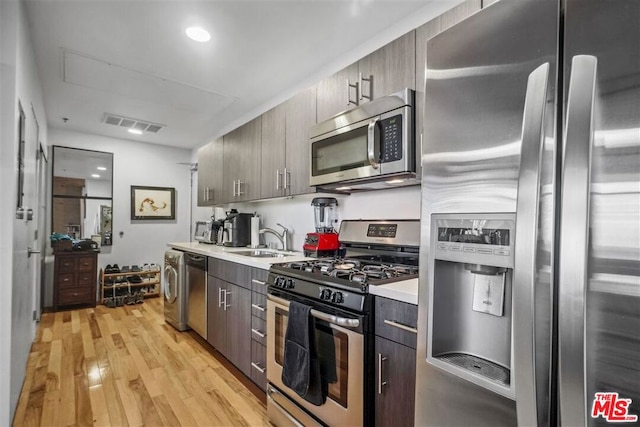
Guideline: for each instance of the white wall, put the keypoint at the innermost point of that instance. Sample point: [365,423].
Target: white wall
[136,163]
[19,83]
[296,213]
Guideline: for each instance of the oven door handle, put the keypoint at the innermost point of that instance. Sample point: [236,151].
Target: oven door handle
[330,318]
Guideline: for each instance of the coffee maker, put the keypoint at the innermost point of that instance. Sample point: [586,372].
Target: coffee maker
[237,229]
[324,242]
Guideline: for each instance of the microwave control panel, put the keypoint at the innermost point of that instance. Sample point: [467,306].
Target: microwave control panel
[391,139]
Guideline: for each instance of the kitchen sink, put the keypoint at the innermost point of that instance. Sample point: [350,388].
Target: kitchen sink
[257,253]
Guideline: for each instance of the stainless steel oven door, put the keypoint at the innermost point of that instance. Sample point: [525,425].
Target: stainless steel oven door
[342,344]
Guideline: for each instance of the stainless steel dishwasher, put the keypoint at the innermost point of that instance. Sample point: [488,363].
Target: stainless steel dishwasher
[196,266]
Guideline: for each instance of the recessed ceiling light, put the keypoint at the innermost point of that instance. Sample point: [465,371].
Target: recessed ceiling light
[135,131]
[95,175]
[102,168]
[198,34]
[343,188]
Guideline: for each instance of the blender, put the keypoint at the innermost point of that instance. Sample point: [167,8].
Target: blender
[324,242]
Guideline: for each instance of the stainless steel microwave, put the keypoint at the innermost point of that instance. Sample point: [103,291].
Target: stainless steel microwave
[369,147]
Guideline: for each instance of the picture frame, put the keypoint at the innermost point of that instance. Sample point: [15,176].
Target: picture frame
[153,203]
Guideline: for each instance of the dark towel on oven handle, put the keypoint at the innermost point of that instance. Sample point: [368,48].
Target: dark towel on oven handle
[300,367]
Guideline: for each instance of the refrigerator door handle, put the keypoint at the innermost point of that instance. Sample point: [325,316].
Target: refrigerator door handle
[524,375]
[574,240]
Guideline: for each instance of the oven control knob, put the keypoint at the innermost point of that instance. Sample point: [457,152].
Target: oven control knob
[279,282]
[337,297]
[289,284]
[325,294]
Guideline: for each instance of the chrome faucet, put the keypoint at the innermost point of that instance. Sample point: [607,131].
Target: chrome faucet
[284,237]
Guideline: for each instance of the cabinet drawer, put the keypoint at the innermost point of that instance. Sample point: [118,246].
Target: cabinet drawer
[66,280]
[85,263]
[67,265]
[258,280]
[76,296]
[259,364]
[259,330]
[259,305]
[86,279]
[396,321]
[231,272]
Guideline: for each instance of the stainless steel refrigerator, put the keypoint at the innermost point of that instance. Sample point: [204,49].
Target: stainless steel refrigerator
[529,300]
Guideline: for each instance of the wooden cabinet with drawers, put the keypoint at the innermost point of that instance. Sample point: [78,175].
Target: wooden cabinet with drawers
[75,279]
[395,350]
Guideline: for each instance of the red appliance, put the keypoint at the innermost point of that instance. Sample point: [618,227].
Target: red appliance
[324,242]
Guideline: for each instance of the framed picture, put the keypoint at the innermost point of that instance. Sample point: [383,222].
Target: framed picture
[153,202]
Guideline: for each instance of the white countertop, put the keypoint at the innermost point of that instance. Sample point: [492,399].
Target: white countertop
[405,291]
[227,253]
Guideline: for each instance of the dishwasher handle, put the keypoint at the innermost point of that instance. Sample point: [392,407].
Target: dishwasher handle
[196,261]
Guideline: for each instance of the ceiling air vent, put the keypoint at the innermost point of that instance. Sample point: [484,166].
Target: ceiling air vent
[129,123]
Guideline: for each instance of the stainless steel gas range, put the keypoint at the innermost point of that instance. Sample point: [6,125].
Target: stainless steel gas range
[337,292]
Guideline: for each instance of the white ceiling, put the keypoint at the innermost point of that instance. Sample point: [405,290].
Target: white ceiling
[131,57]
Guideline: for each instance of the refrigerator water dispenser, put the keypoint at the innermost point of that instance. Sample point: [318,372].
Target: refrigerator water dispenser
[470,318]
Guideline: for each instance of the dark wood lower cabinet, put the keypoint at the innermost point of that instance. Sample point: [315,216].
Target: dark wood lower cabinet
[216,315]
[229,321]
[395,383]
[238,302]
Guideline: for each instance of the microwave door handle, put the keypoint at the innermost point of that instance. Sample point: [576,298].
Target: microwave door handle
[373,143]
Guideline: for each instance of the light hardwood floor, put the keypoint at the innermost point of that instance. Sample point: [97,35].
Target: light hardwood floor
[126,367]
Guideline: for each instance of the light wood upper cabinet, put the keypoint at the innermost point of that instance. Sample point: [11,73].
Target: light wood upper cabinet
[301,115]
[336,93]
[210,173]
[242,162]
[269,156]
[388,69]
[273,152]
[383,72]
[285,146]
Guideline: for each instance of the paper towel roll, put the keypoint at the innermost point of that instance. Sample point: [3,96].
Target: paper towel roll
[255,231]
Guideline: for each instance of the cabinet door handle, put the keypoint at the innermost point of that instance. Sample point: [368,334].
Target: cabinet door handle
[258,333]
[226,294]
[258,282]
[370,81]
[400,326]
[258,307]
[278,175]
[240,188]
[258,368]
[381,383]
[349,86]
[219,297]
